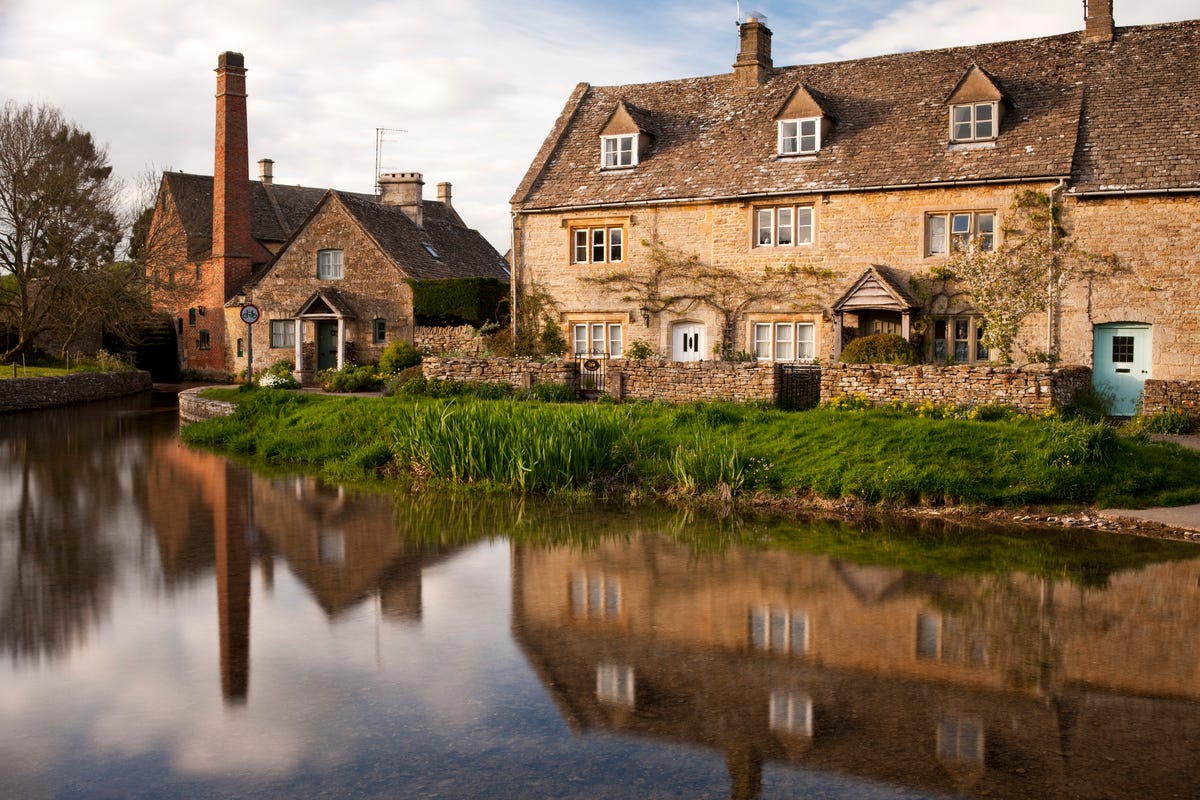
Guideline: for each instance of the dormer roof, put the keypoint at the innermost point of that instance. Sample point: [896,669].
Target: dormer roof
[804,102]
[626,118]
[976,85]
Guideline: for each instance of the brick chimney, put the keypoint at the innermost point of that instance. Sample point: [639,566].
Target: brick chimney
[232,244]
[403,189]
[266,171]
[1098,20]
[753,65]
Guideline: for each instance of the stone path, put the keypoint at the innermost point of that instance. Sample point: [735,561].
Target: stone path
[1185,518]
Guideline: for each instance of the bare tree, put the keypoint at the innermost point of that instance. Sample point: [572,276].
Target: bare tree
[59,220]
[678,281]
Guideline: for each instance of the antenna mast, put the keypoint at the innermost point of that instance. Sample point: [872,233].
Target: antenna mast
[380,136]
[739,10]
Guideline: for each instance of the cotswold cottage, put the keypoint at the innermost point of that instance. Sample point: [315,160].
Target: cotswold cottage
[327,270]
[843,187]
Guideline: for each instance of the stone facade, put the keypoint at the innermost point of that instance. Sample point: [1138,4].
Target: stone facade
[1172,396]
[30,394]
[1030,389]
[460,339]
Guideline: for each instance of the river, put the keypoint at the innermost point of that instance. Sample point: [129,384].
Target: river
[173,624]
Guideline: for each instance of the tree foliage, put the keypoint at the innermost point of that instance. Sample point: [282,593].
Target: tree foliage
[1025,274]
[59,227]
[679,282]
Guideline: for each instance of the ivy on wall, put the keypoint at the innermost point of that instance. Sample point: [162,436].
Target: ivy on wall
[459,301]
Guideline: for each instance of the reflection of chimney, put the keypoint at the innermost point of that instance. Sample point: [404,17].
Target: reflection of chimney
[232,244]
[266,171]
[403,189]
[753,65]
[1098,20]
[232,563]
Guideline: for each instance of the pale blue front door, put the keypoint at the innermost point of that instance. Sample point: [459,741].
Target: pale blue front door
[1121,359]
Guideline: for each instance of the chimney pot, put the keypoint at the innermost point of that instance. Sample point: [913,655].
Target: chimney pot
[403,189]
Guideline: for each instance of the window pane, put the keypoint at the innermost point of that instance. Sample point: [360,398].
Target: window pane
[380,330]
[598,245]
[808,136]
[766,223]
[985,225]
[799,634]
[616,239]
[927,636]
[779,628]
[804,225]
[981,352]
[610,153]
[984,121]
[762,341]
[597,338]
[789,141]
[936,226]
[580,338]
[1122,349]
[783,341]
[805,336]
[580,255]
[960,231]
[758,628]
[783,223]
[960,127]
[614,340]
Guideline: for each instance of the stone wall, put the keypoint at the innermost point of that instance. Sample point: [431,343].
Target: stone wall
[1030,388]
[518,373]
[463,339]
[29,394]
[194,408]
[687,381]
[1163,396]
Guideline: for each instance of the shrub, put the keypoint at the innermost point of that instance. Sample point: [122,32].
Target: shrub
[283,368]
[882,348]
[1171,421]
[551,339]
[395,384]
[398,356]
[350,378]
[550,393]
[640,350]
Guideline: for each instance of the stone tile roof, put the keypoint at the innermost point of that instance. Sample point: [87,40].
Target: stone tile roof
[1091,112]
[442,248]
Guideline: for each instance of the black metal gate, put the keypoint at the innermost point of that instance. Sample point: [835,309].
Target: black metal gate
[591,370]
[799,386]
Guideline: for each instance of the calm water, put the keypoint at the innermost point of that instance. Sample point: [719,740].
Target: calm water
[172,625]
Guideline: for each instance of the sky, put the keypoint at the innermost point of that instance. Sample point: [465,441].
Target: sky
[465,90]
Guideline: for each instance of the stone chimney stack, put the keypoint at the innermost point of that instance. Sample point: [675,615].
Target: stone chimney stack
[1098,20]
[444,194]
[403,189]
[232,244]
[266,171]
[753,65]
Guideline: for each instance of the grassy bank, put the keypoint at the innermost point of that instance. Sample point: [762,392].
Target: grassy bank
[878,456]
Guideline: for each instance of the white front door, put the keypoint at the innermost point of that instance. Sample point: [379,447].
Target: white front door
[688,339]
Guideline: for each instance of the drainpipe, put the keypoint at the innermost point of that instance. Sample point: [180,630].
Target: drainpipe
[1050,283]
[513,254]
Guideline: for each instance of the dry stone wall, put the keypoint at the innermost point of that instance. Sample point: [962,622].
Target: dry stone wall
[194,408]
[29,394]
[688,381]
[518,373]
[1032,389]
[462,339]
[1163,396]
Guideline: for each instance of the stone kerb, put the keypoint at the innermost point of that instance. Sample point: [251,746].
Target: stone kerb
[1160,396]
[29,394]
[1033,388]
[194,408]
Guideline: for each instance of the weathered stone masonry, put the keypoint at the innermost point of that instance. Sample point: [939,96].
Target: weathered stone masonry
[1163,396]
[30,394]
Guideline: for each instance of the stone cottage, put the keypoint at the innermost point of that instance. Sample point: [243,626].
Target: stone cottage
[815,203]
[316,262]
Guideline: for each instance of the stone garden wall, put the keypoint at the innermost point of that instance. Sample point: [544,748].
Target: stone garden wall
[688,381]
[1032,388]
[1163,396]
[28,394]
[518,373]
[459,339]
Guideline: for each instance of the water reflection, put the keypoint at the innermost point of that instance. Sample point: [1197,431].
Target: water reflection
[175,624]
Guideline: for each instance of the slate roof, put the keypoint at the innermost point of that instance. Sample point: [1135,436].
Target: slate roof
[1123,115]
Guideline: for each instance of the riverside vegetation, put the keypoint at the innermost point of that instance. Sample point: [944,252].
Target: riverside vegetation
[900,456]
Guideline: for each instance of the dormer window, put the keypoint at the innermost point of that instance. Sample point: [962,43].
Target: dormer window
[973,122]
[799,137]
[618,151]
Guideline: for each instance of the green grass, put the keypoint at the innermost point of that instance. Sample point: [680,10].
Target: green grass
[878,456]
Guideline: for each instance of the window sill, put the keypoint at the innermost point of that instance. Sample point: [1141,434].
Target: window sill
[626,168]
[797,156]
[986,144]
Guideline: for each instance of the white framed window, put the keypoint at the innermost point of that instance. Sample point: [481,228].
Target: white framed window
[602,245]
[784,341]
[615,685]
[783,226]
[799,136]
[618,151]
[778,630]
[960,740]
[329,265]
[283,333]
[953,231]
[973,122]
[595,596]
[597,339]
[791,713]
[959,339]
[948,640]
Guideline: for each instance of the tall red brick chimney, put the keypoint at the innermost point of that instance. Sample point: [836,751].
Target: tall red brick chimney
[232,245]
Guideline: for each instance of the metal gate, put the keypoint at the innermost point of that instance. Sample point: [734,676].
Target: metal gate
[799,386]
[591,370]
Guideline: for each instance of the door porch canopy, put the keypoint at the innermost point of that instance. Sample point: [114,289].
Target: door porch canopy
[878,291]
[324,305]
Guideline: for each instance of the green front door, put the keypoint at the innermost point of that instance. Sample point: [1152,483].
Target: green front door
[327,345]
[1121,364]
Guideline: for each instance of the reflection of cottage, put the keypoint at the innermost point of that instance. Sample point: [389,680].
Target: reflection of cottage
[940,685]
[876,170]
[327,269]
